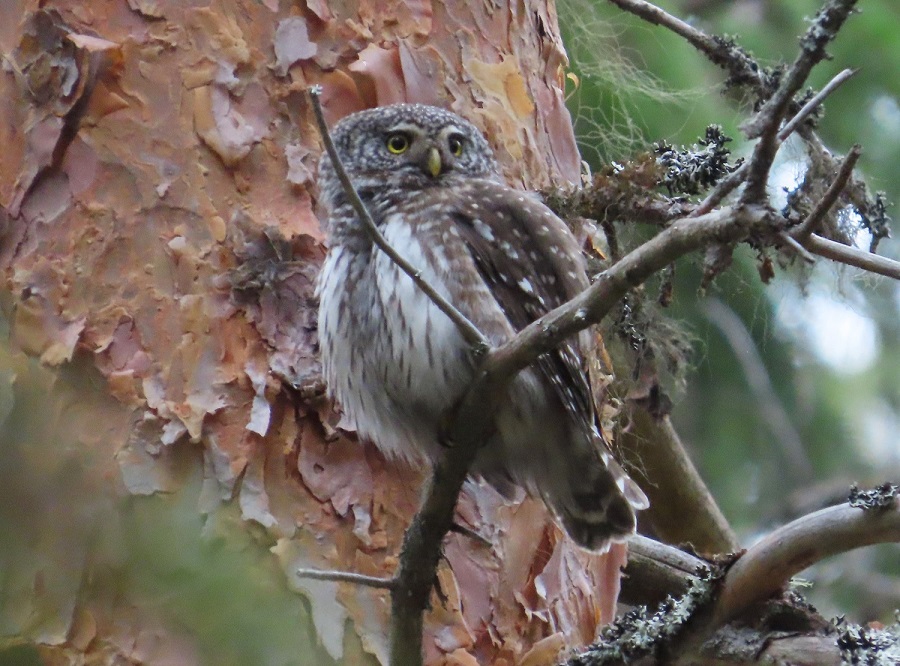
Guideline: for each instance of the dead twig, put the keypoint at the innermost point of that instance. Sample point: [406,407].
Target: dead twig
[795,247]
[844,254]
[815,103]
[767,120]
[347,577]
[720,51]
[825,204]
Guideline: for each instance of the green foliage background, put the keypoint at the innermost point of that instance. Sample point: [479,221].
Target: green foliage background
[640,84]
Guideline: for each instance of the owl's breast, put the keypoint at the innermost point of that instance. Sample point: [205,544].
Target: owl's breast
[394,361]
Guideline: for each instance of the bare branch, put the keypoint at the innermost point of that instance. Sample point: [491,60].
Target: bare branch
[815,103]
[467,329]
[852,256]
[724,225]
[765,123]
[655,571]
[456,528]
[768,566]
[720,52]
[795,247]
[825,204]
[347,577]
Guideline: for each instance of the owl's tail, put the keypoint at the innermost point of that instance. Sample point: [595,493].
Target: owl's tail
[599,505]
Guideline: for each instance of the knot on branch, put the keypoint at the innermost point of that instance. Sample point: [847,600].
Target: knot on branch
[690,171]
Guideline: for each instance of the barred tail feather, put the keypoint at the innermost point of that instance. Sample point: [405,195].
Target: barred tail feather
[601,510]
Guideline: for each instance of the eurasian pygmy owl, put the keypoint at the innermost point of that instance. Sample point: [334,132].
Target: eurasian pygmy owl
[396,364]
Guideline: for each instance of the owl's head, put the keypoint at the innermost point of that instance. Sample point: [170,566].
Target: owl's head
[408,146]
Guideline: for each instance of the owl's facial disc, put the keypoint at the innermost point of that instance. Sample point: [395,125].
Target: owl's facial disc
[433,154]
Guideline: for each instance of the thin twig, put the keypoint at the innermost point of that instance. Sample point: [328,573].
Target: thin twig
[720,52]
[467,329]
[852,256]
[347,577]
[725,187]
[814,219]
[456,528]
[769,565]
[815,103]
[795,247]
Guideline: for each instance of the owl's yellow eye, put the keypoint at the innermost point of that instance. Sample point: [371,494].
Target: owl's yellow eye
[455,144]
[397,143]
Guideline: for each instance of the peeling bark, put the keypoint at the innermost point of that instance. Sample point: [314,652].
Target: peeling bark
[159,248]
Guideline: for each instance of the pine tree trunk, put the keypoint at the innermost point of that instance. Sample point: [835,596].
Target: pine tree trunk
[167,458]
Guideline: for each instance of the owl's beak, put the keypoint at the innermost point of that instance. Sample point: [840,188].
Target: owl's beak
[434,163]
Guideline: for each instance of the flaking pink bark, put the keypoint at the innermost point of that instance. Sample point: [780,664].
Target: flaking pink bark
[158,232]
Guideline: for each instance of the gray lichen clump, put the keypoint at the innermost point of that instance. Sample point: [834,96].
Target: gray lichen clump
[882,497]
[642,632]
[693,171]
[868,646]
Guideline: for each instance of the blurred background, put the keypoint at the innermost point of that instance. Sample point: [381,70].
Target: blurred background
[792,392]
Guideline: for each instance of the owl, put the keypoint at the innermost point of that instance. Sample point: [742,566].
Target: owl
[396,364]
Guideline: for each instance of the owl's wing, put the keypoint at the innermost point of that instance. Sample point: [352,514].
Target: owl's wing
[531,264]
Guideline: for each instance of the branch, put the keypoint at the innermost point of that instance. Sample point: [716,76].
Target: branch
[725,187]
[725,225]
[823,28]
[768,566]
[852,256]
[655,571]
[764,125]
[347,577]
[814,219]
[791,243]
[467,329]
[721,52]
[815,103]
[745,71]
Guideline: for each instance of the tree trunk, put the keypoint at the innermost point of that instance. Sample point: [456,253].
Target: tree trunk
[167,458]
